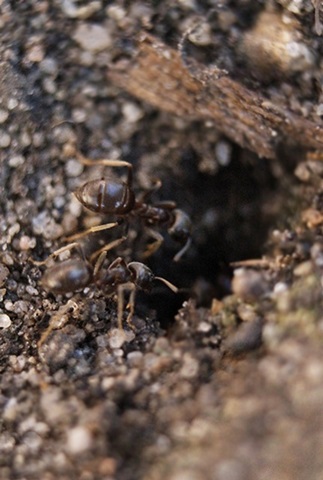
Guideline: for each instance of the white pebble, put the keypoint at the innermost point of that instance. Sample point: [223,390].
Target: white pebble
[3,115]
[223,152]
[117,338]
[26,243]
[93,38]
[79,440]
[132,112]
[16,161]
[73,168]
[72,11]
[5,139]
[5,321]
[12,103]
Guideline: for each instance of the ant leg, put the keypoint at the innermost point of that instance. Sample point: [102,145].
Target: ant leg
[58,320]
[120,306]
[131,303]
[106,162]
[97,228]
[58,252]
[101,253]
[154,246]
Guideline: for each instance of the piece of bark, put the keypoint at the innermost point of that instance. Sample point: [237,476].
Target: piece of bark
[157,74]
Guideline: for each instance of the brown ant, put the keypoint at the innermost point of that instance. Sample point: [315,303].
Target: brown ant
[77,273]
[107,196]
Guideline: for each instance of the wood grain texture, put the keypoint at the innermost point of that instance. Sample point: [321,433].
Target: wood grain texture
[157,74]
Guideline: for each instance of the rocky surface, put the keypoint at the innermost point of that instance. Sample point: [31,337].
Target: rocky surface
[222,381]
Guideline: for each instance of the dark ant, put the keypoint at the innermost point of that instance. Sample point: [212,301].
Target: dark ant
[77,273]
[107,196]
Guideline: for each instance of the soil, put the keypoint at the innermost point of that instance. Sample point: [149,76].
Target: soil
[224,379]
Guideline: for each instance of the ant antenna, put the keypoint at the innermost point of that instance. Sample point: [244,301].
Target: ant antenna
[106,162]
[183,250]
[168,284]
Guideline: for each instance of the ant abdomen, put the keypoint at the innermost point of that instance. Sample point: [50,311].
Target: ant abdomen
[106,196]
[68,276]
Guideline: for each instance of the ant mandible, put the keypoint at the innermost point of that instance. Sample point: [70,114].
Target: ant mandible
[107,196]
[120,276]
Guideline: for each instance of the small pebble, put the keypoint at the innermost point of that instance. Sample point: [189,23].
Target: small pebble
[201,35]
[249,284]
[73,168]
[223,152]
[5,321]
[79,439]
[35,53]
[190,367]
[72,11]
[135,359]
[4,114]
[5,139]
[117,338]
[4,272]
[12,103]
[93,38]
[303,269]
[115,12]
[16,161]
[27,243]
[132,112]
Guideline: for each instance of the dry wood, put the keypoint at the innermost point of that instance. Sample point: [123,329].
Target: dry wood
[157,74]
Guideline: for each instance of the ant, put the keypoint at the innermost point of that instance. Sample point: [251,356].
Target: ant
[107,196]
[120,276]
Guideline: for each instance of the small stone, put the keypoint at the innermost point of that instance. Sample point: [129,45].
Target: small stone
[246,313]
[11,409]
[132,112]
[201,35]
[16,161]
[26,243]
[248,284]
[4,272]
[72,11]
[93,38]
[135,359]
[36,53]
[223,152]
[115,12]
[5,321]
[190,367]
[49,66]
[73,168]
[31,290]
[272,47]
[5,139]
[79,115]
[9,306]
[17,362]
[280,287]
[12,103]
[79,439]
[44,225]
[303,269]
[4,114]
[117,338]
